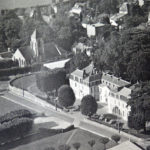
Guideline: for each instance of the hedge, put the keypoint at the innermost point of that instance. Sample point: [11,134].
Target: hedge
[16,127]
[18,70]
[15,114]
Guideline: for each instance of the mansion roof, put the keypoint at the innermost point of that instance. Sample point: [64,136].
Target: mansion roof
[115,80]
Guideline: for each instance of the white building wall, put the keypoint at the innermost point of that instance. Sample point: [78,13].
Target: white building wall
[122,106]
[79,89]
[103,94]
[17,56]
[91,30]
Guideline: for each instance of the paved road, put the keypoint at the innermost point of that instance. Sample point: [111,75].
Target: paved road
[79,121]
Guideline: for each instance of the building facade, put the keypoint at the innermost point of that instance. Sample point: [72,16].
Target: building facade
[85,81]
[106,88]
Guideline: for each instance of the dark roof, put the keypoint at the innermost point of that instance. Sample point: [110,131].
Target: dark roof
[6,55]
[51,50]
[27,53]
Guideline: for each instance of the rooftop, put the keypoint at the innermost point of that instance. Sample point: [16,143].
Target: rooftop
[27,53]
[56,64]
[126,146]
[115,80]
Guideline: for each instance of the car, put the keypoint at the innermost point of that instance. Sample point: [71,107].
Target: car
[95,116]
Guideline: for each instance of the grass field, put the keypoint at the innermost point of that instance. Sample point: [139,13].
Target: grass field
[24,82]
[55,140]
[7,106]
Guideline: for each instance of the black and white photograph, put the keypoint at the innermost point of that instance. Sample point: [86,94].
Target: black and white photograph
[74,74]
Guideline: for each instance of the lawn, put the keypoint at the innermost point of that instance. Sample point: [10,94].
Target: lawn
[24,82]
[7,106]
[55,140]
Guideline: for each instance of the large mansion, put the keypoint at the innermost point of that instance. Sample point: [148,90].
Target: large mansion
[106,88]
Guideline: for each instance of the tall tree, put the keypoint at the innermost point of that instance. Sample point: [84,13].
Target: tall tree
[66,96]
[88,105]
[140,105]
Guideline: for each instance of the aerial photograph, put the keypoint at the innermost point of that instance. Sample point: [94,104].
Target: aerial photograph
[74,74]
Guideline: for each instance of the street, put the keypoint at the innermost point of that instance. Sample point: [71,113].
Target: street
[78,120]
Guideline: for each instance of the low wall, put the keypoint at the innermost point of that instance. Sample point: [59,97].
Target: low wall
[30,97]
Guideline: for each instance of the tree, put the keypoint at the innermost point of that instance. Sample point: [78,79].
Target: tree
[116,138]
[51,81]
[140,105]
[64,147]
[66,96]
[91,143]
[88,105]
[104,141]
[76,145]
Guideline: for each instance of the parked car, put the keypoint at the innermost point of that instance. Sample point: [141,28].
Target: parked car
[95,116]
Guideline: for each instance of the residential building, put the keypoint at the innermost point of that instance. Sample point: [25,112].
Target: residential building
[85,81]
[92,28]
[24,56]
[78,8]
[106,88]
[127,145]
[115,92]
[123,11]
[81,47]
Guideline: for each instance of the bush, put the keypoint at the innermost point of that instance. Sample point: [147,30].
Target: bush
[18,70]
[88,105]
[66,96]
[15,114]
[116,138]
[16,127]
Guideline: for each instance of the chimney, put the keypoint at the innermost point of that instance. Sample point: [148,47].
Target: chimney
[84,74]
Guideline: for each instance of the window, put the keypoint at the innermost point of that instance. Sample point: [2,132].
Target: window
[76,79]
[117,96]
[75,84]
[81,81]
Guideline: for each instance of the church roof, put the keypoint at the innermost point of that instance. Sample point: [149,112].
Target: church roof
[27,53]
[51,51]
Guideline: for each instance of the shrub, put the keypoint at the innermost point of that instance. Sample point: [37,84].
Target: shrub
[116,138]
[15,114]
[16,127]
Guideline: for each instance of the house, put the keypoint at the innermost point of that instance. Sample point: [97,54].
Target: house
[106,88]
[123,11]
[115,92]
[85,81]
[78,8]
[24,56]
[127,145]
[81,47]
[92,26]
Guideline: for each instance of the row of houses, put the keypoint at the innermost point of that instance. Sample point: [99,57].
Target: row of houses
[106,88]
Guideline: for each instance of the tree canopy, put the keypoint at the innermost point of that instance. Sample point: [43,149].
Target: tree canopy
[140,106]
[66,96]
[88,105]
